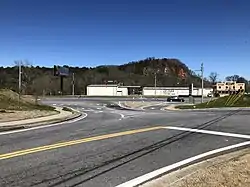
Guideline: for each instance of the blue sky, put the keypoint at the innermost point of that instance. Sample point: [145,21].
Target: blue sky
[98,32]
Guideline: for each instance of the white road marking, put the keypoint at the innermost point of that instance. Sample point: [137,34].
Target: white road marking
[210,132]
[134,115]
[96,112]
[98,104]
[149,176]
[54,104]
[83,108]
[122,115]
[98,108]
[152,108]
[44,126]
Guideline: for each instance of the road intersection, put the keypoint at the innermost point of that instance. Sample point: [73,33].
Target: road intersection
[112,145]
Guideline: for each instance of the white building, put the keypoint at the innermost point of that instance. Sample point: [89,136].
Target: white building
[116,90]
[107,90]
[174,91]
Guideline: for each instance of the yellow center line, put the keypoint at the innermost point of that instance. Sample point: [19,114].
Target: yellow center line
[74,142]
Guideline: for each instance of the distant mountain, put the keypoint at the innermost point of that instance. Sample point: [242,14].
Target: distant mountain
[40,80]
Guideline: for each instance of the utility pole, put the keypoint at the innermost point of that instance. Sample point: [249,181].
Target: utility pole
[20,82]
[155,78]
[73,84]
[155,83]
[202,81]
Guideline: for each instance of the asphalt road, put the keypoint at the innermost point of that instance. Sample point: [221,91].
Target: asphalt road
[111,145]
[115,99]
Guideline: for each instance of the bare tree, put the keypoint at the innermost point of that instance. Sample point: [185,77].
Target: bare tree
[26,73]
[233,78]
[213,77]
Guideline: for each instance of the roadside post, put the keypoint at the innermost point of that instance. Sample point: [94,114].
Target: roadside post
[191,88]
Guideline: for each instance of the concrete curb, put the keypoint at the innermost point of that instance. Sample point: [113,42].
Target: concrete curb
[157,104]
[139,108]
[75,114]
[129,108]
[213,109]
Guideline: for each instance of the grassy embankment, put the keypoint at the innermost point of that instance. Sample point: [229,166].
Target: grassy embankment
[9,101]
[239,100]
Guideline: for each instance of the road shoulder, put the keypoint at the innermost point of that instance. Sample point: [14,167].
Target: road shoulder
[226,170]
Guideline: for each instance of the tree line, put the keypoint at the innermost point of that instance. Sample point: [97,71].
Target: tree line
[41,80]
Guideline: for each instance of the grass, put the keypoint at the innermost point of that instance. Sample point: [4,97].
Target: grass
[9,100]
[227,101]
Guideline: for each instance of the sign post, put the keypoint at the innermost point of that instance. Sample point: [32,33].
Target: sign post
[61,71]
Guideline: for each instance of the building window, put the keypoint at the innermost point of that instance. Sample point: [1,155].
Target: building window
[226,87]
[219,87]
[234,87]
[241,87]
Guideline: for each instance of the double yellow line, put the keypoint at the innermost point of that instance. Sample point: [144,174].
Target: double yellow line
[73,142]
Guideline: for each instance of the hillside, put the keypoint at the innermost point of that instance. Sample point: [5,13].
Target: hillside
[40,80]
[9,100]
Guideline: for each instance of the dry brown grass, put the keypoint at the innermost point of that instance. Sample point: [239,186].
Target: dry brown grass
[231,171]
[9,100]
[20,115]
[12,110]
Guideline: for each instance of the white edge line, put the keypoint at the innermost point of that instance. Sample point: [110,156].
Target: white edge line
[149,176]
[209,132]
[44,126]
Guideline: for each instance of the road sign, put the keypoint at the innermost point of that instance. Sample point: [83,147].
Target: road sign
[61,71]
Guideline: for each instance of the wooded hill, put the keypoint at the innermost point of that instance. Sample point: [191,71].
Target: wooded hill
[40,80]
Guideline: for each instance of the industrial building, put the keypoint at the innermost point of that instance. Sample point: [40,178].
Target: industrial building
[117,90]
[175,91]
[107,90]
